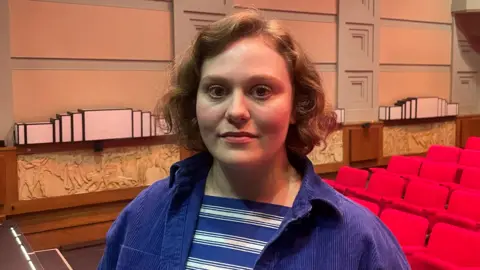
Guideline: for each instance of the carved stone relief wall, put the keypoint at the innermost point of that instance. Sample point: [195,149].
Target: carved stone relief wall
[333,153]
[67,173]
[414,139]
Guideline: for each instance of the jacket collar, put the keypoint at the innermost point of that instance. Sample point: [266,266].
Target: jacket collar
[313,193]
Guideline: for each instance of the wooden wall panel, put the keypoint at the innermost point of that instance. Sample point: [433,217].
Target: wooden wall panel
[68,236]
[364,144]
[48,92]
[312,36]
[425,10]
[52,229]
[467,127]
[310,6]
[58,30]
[3,181]
[72,201]
[9,178]
[400,84]
[408,45]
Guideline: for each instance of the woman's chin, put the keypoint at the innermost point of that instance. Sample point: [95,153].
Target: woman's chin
[238,158]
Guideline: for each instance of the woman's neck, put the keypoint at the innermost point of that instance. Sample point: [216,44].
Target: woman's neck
[275,182]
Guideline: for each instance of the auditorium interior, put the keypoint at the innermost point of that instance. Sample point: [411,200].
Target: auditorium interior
[403,77]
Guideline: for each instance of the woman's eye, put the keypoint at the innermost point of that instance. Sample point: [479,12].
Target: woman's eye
[261,92]
[216,91]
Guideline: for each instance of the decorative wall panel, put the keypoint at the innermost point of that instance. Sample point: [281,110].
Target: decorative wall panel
[333,153]
[189,16]
[416,139]
[358,59]
[465,74]
[361,88]
[67,173]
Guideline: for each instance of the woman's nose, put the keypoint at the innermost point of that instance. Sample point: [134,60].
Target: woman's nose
[237,111]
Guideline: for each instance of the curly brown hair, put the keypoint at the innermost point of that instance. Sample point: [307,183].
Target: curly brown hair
[314,121]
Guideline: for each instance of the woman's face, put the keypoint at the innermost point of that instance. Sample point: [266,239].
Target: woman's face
[244,103]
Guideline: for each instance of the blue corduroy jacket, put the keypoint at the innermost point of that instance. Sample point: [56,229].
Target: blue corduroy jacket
[322,230]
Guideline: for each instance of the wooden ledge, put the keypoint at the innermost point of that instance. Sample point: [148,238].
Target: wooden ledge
[94,145]
[419,121]
[62,202]
[327,168]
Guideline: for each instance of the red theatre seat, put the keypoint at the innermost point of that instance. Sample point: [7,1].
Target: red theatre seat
[473,143]
[423,198]
[463,210]
[382,188]
[442,153]
[401,165]
[409,229]
[444,173]
[449,247]
[349,177]
[470,178]
[469,158]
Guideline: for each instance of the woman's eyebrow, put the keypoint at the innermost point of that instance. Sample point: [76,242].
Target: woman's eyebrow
[257,77]
[213,79]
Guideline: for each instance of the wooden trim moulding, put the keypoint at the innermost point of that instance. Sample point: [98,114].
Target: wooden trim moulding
[72,146]
[328,168]
[62,202]
[420,121]
[9,177]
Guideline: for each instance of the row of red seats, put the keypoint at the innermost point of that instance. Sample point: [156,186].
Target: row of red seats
[447,174]
[426,198]
[455,155]
[439,246]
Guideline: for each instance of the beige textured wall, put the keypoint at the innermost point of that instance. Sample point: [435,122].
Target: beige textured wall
[47,92]
[415,49]
[69,56]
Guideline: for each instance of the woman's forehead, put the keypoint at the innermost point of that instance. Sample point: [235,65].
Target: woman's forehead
[245,58]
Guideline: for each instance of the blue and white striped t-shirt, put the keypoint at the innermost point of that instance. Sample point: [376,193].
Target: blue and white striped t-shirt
[231,233]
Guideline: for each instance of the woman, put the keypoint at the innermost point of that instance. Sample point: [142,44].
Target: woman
[247,98]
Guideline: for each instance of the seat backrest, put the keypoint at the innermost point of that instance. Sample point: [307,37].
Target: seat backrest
[470,158]
[386,184]
[425,194]
[352,177]
[441,153]
[465,203]
[404,165]
[455,245]
[473,143]
[440,172]
[375,208]
[471,178]
[409,229]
